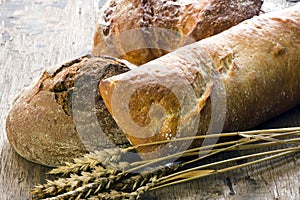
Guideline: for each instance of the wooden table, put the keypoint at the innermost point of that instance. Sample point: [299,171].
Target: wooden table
[36,35]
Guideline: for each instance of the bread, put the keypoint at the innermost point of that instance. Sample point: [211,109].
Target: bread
[43,126]
[140,31]
[231,81]
[61,116]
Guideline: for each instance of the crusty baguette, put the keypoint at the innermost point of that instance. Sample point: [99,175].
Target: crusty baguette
[41,125]
[156,27]
[256,63]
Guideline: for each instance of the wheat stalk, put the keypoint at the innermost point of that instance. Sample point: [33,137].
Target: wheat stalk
[248,137]
[106,159]
[94,176]
[85,184]
[291,130]
[185,174]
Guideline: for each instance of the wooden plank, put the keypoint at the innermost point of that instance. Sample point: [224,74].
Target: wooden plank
[36,35]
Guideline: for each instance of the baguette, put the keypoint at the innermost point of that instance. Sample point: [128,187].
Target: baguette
[252,69]
[156,27]
[50,123]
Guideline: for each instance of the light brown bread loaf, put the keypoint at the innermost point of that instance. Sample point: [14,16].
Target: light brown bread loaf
[255,67]
[139,30]
[60,117]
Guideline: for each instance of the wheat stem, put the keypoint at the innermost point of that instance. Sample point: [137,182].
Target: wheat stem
[212,172]
[165,179]
[199,150]
[246,147]
[293,130]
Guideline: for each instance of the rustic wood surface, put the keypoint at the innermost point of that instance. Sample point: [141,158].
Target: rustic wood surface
[36,35]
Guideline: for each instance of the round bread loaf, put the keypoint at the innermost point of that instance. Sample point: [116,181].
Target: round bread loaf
[140,31]
[60,116]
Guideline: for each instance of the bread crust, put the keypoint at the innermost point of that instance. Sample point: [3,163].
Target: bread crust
[41,125]
[257,62]
[158,26]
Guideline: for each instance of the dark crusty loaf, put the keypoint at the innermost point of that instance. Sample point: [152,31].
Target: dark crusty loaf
[41,125]
[254,67]
[139,30]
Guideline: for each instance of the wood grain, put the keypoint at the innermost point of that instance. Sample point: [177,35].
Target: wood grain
[39,34]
